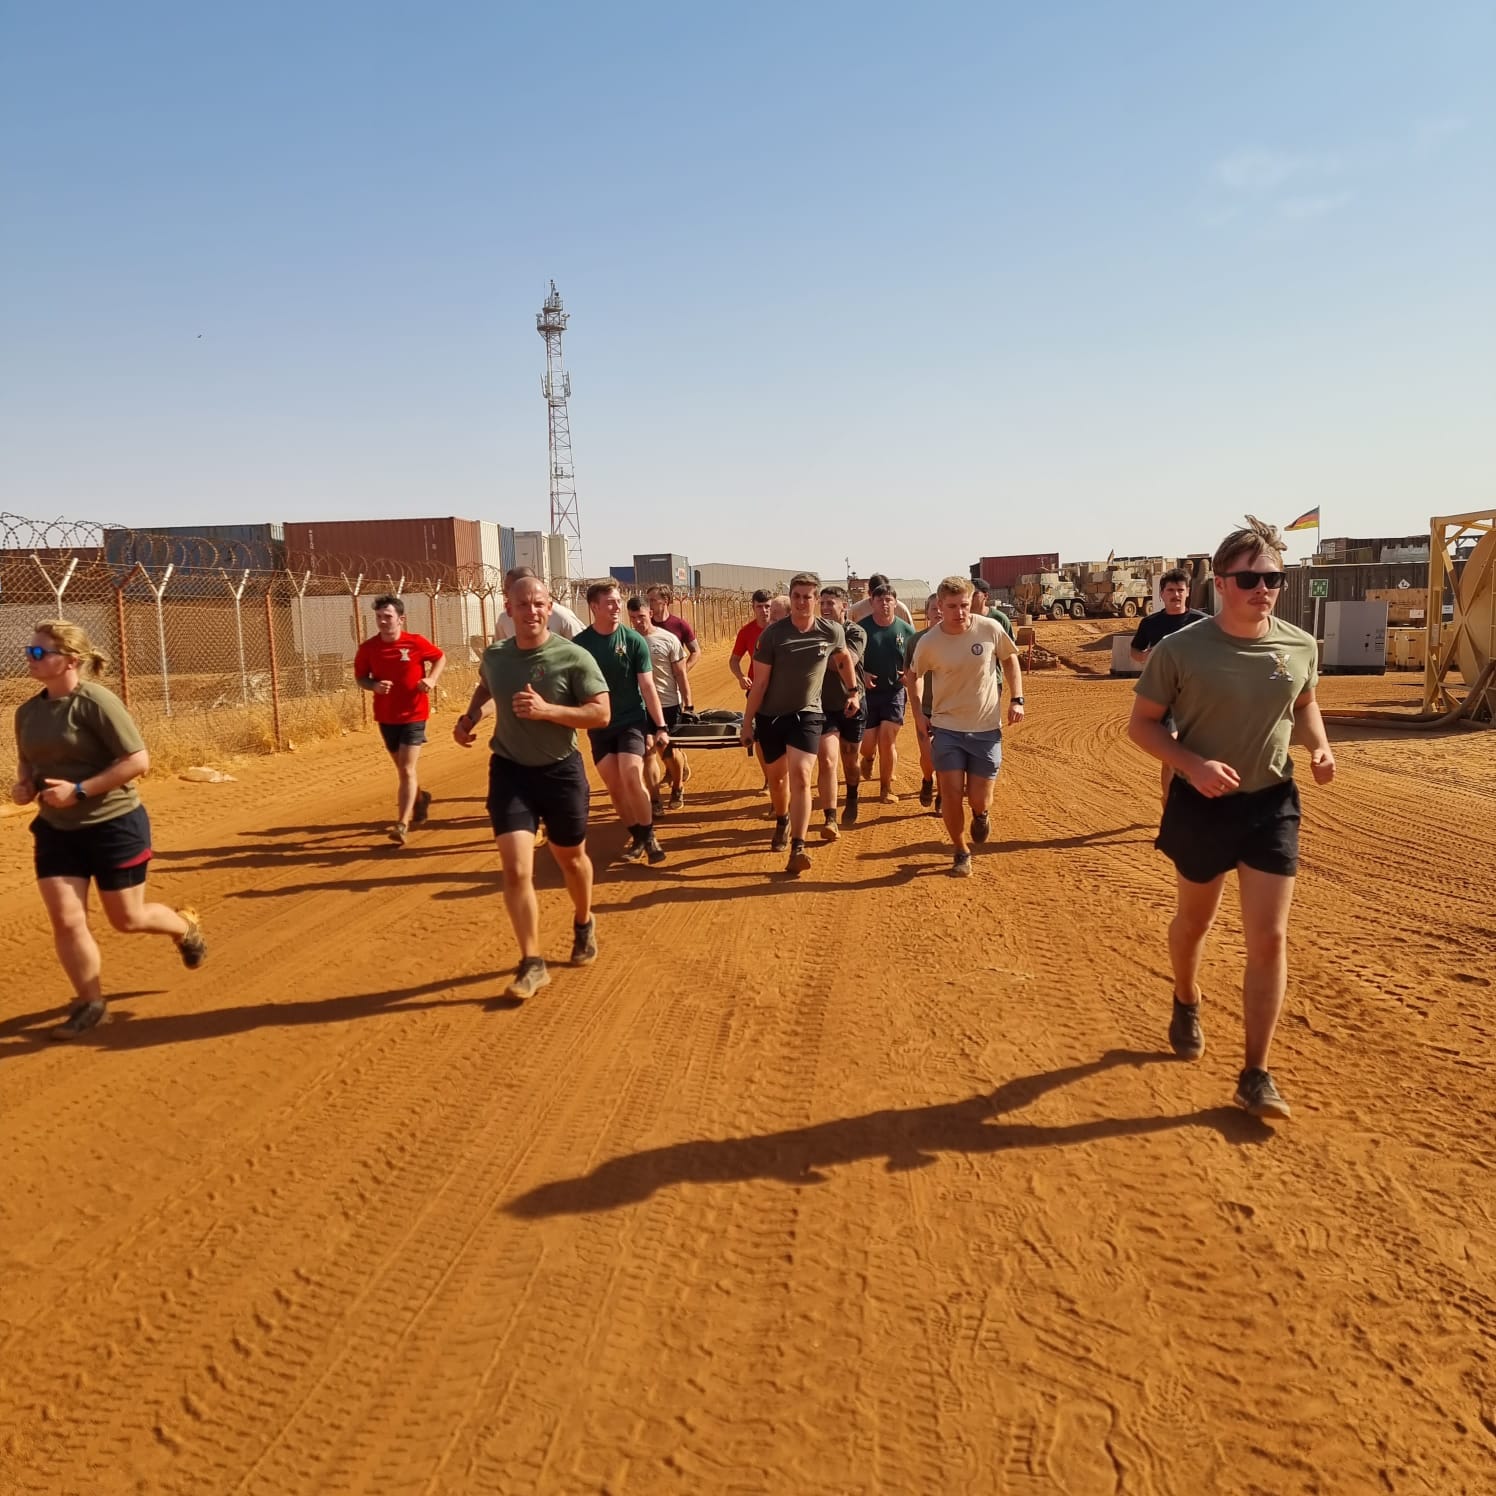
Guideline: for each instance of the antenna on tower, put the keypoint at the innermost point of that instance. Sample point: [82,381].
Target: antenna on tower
[550,322]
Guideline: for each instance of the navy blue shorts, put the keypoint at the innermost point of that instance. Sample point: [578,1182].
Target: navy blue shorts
[886,706]
[609,740]
[398,735]
[113,853]
[848,729]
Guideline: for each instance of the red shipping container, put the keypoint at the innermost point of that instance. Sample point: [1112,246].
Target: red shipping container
[1004,571]
[447,542]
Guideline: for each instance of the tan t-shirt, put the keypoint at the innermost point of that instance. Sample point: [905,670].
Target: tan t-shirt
[1232,699]
[72,738]
[966,693]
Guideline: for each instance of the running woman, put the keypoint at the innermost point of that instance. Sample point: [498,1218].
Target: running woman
[543,689]
[79,754]
[845,718]
[784,708]
[1174,589]
[1240,687]
[636,715]
[668,660]
[888,635]
[747,640]
[967,714]
[660,600]
[402,670]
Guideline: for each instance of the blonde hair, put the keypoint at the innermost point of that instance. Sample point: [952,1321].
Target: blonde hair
[955,587]
[72,639]
[1256,536]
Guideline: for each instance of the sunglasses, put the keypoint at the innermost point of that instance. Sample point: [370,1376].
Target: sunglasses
[1250,581]
[36,652]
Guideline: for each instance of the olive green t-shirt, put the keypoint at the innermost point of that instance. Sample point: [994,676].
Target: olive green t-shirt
[1232,699]
[561,674]
[798,662]
[72,738]
[833,689]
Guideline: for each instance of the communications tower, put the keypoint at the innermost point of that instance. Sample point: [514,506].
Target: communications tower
[550,322]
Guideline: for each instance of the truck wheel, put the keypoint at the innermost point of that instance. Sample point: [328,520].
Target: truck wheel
[1077,609]
[1129,608]
[1057,611]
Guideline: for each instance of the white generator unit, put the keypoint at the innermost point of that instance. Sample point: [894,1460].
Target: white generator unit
[1355,639]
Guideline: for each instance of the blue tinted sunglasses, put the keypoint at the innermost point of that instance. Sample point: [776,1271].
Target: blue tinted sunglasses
[36,652]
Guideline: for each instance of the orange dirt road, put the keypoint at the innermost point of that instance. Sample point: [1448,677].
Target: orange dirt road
[872,1182]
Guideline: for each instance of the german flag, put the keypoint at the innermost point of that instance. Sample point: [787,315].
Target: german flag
[1306,521]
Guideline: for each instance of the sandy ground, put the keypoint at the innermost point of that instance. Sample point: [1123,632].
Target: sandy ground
[871,1182]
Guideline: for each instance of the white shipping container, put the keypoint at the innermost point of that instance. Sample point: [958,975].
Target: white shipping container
[559,562]
[488,545]
[529,550]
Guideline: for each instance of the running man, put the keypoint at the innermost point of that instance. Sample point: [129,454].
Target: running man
[668,660]
[927,795]
[982,604]
[779,607]
[543,688]
[748,636]
[888,635]
[862,609]
[967,714]
[660,600]
[564,624]
[1240,687]
[845,719]
[636,715]
[78,755]
[402,670]
[783,713]
[1174,588]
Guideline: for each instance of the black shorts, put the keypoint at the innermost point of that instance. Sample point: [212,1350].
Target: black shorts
[848,729]
[521,796]
[672,716]
[800,730]
[398,735]
[113,853]
[1204,838]
[886,706]
[609,740]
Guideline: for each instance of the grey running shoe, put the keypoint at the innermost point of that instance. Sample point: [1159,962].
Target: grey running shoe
[193,946]
[529,979]
[85,1016]
[655,851]
[677,799]
[831,831]
[981,827]
[398,832]
[781,834]
[584,943]
[1186,1038]
[799,859]
[961,866]
[1257,1095]
[926,792]
[636,851]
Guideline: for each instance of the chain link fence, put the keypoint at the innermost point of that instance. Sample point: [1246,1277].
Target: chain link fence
[216,652]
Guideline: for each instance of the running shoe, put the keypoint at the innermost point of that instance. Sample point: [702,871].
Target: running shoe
[655,850]
[981,827]
[584,943]
[937,805]
[423,808]
[799,859]
[961,865]
[830,830]
[398,832]
[1257,1095]
[193,946]
[849,815]
[530,978]
[926,792]
[781,834]
[677,799]
[85,1016]
[636,851]
[1186,1037]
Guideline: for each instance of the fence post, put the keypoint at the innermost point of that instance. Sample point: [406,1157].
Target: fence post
[363,696]
[161,636]
[124,646]
[275,693]
[237,593]
[431,599]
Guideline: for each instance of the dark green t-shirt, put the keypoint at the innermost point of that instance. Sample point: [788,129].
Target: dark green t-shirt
[833,691]
[1002,620]
[560,673]
[623,657]
[1232,699]
[884,657]
[797,662]
[72,738]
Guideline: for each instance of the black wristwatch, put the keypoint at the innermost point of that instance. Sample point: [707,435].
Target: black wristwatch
[1015,701]
[79,793]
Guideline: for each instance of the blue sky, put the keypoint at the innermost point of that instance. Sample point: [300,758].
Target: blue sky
[905,284]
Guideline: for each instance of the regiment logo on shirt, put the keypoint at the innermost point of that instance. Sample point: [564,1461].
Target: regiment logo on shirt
[404,653]
[1280,663]
[976,649]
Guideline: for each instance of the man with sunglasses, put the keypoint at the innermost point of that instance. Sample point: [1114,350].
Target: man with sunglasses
[1176,614]
[1240,688]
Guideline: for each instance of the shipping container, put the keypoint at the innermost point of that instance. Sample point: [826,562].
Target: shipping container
[558,562]
[205,560]
[402,543]
[663,568]
[729,577]
[624,574]
[490,545]
[506,547]
[529,550]
[1004,571]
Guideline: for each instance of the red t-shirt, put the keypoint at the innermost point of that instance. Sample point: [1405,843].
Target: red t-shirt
[403,664]
[747,642]
[681,629]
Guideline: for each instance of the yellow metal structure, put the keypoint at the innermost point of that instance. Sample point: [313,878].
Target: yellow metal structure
[1467,643]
